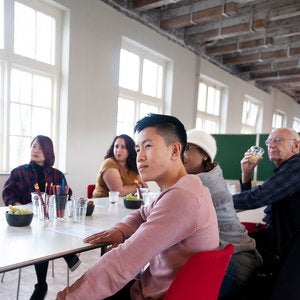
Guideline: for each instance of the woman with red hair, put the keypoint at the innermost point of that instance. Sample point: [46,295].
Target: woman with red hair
[17,191]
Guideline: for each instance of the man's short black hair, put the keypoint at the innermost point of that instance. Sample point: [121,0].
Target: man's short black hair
[169,127]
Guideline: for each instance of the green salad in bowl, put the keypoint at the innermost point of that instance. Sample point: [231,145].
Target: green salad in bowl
[132,201]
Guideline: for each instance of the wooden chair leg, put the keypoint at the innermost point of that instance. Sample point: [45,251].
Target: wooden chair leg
[2,277]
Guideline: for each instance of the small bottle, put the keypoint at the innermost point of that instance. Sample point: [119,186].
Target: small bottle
[35,203]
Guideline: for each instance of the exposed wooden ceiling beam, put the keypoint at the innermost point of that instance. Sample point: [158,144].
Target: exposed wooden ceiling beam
[259,41]
[289,11]
[200,16]
[276,75]
[260,57]
[229,31]
[143,5]
[283,82]
[274,66]
[238,47]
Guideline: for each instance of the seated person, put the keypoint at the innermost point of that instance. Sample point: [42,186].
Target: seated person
[281,194]
[17,190]
[199,159]
[119,171]
[165,234]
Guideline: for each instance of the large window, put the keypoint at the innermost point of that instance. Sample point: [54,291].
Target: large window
[208,106]
[29,76]
[252,110]
[141,85]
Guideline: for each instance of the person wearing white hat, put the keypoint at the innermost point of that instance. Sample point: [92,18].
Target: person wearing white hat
[199,158]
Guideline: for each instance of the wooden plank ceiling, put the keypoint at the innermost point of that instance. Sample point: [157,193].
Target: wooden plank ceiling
[258,41]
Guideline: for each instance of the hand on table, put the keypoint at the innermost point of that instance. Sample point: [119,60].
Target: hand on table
[112,236]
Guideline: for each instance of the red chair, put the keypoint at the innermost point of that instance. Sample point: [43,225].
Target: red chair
[201,277]
[254,227]
[89,190]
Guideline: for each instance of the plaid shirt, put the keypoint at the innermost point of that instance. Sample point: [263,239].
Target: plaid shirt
[20,183]
[284,184]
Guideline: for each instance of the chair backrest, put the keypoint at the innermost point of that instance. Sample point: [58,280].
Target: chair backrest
[201,276]
[254,227]
[89,190]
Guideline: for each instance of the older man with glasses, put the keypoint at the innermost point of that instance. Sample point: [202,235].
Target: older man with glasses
[281,194]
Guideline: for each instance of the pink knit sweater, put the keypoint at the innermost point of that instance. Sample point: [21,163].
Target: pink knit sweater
[181,222]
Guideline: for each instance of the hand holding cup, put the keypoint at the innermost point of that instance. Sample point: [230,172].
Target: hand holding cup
[256,154]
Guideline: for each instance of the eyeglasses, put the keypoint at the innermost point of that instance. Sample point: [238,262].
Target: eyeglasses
[188,148]
[277,141]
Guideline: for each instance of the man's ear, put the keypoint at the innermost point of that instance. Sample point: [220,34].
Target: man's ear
[298,145]
[176,149]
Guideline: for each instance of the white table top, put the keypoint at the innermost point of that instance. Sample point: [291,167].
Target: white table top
[43,240]
[252,215]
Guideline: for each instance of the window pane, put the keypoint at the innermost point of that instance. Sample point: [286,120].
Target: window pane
[129,70]
[21,83]
[202,97]
[147,108]
[41,121]
[126,119]
[246,105]
[210,126]
[213,102]
[24,36]
[250,113]
[19,151]
[252,116]
[1,25]
[199,123]
[42,91]
[45,38]
[34,34]
[296,124]
[152,79]
[277,120]
[36,92]
[20,119]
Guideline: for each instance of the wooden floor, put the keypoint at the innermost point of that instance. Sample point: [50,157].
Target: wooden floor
[8,288]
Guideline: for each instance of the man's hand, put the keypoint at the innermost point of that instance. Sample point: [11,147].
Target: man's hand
[112,236]
[248,166]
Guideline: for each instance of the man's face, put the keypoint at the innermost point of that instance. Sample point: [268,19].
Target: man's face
[153,155]
[282,145]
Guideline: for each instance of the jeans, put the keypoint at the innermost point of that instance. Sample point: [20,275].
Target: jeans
[240,269]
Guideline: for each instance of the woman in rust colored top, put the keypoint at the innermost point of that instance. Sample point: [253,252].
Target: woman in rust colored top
[119,172]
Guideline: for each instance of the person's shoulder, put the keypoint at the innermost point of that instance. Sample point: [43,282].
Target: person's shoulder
[109,163]
[20,168]
[188,182]
[292,162]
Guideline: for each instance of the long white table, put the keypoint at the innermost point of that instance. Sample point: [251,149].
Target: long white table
[45,240]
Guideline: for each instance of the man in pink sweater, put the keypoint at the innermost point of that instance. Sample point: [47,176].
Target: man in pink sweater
[165,234]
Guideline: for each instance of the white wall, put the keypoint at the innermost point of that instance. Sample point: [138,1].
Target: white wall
[96,32]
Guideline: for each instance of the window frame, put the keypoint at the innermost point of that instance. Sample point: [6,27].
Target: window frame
[10,60]
[205,116]
[246,127]
[279,113]
[138,96]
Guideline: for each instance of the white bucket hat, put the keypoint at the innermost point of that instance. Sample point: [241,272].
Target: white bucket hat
[203,140]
